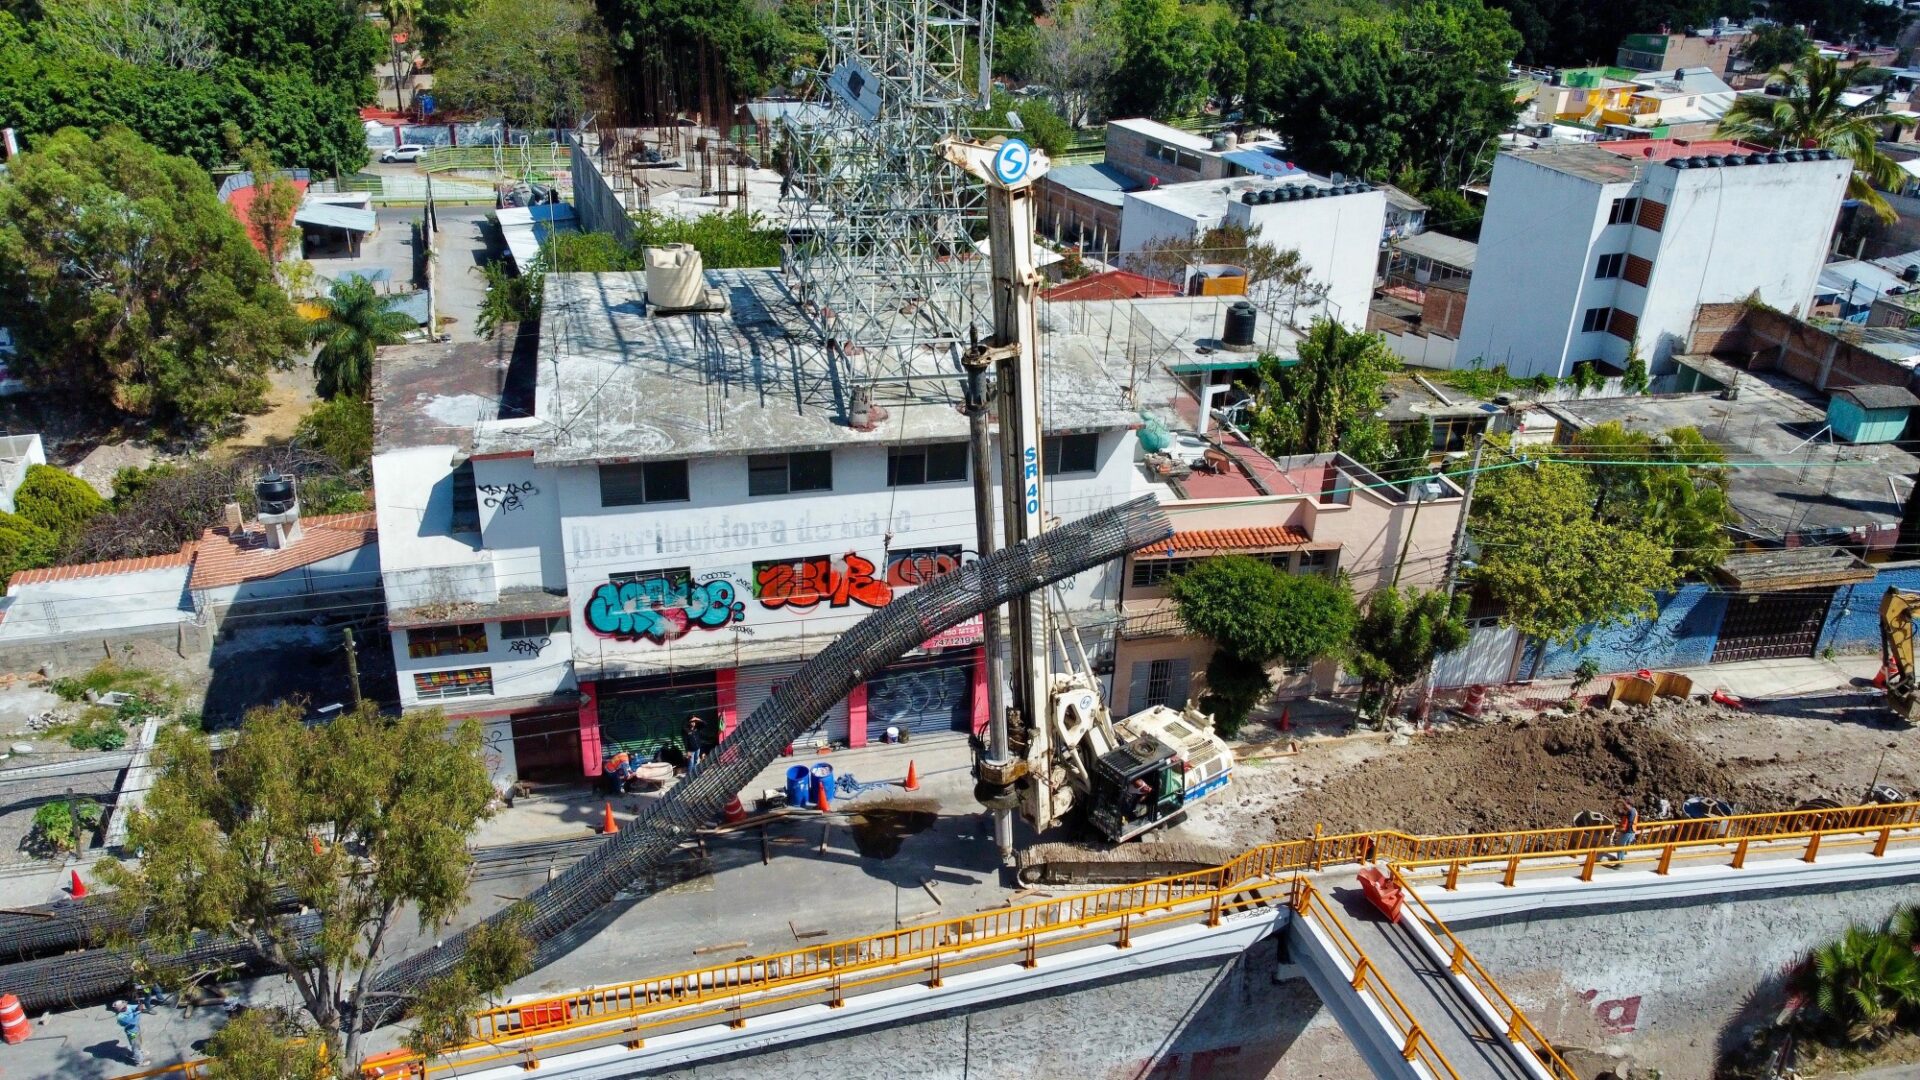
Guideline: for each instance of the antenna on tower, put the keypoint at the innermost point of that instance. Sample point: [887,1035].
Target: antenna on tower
[881,257]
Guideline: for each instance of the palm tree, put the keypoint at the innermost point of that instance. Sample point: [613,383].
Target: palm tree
[1863,981]
[355,321]
[1809,113]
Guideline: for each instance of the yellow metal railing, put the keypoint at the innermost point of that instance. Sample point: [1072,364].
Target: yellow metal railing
[627,1011]
[1661,844]
[1462,962]
[1415,1044]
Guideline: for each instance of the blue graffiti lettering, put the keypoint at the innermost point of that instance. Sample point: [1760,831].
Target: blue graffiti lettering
[660,610]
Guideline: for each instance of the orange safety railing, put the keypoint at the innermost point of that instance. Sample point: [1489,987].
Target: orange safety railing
[1461,961]
[1415,1044]
[929,952]
[828,971]
[1662,844]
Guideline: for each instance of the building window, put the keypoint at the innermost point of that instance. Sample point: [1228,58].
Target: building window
[466,501]
[1623,211]
[676,577]
[1184,159]
[941,464]
[1072,454]
[431,641]
[1595,320]
[466,682]
[1158,682]
[780,474]
[1610,265]
[647,482]
[1151,573]
[532,628]
[1317,562]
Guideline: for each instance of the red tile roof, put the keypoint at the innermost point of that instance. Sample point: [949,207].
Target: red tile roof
[1112,285]
[1206,541]
[225,559]
[103,569]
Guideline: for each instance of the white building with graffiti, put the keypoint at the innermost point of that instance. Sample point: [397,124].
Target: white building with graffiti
[642,518]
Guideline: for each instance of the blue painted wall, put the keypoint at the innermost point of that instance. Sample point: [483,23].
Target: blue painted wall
[1681,635]
[1853,621]
[1858,425]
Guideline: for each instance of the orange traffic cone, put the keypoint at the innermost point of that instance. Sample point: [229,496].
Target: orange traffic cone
[607,825]
[734,813]
[1286,718]
[820,800]
[1880,677]
[315,841]
[79,887]
[913,778]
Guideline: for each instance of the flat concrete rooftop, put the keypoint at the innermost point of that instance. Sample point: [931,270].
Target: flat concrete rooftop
[1808,484]
[435,393]
[616,382]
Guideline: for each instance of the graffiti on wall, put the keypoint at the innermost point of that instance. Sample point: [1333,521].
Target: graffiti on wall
[529,646]
[507,496]
[805,583]
[918,566]
[1619,1016]
[661,609]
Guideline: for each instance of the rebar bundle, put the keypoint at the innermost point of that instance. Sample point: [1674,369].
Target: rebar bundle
[879,639]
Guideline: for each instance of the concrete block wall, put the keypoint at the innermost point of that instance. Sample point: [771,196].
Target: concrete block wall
[1672,985]
[1853,619]
[1682,634]
[1231,1020]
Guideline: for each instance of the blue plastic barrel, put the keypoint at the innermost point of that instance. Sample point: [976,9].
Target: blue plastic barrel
[823,779]
[799,786]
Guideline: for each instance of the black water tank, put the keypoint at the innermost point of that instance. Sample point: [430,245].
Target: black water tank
[1249,197]
[1239,329]
[274,493]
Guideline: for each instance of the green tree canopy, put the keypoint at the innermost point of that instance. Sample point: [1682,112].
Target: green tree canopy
[128,284]
[57,501]
[1259,613]
[54,76]
[359,820]
[1775,44]
[536,65]
[1328,399]
[354,322]
[1554,566]
[1399,636]
[1810,111]
[1162,69]
[1422,88]
[1665,486]
[342,429]
[24,546]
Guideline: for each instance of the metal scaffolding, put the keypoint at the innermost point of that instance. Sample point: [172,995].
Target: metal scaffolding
[882,260]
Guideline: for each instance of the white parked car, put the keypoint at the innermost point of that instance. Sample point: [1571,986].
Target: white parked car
[406,152]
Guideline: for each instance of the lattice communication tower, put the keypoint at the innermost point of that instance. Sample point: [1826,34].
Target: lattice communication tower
[882,259]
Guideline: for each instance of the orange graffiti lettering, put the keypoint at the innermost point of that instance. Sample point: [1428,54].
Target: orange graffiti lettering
[805,583]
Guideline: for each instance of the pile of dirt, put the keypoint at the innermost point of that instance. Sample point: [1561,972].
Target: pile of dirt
[1531,773]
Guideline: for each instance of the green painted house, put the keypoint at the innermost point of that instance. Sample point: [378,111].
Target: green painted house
[1870,414]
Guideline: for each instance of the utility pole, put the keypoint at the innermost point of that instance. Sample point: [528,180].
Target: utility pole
[353,664]
[1454,554]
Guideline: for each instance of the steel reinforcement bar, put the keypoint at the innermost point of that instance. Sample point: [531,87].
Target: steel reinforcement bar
[875,641]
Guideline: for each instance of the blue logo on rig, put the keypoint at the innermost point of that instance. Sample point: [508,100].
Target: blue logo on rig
[1010,163]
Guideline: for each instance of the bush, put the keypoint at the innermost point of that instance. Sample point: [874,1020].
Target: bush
[1260,613]
[342,429]
[58,502]
[1235,687]
[57,825]
[24,546]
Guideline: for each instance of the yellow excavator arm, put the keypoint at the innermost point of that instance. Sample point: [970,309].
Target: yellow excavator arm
[1896,652]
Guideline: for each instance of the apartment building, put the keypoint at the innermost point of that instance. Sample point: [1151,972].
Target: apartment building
[1336,227]
[663,516]
[1587,249]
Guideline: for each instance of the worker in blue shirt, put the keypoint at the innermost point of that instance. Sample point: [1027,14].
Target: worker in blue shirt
[127,1014]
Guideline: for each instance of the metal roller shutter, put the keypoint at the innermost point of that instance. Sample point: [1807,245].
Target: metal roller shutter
[754,685]
[638,715]
[1770,626]
[922,698]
